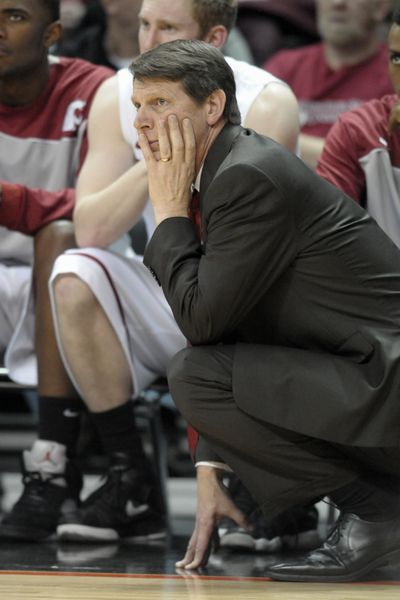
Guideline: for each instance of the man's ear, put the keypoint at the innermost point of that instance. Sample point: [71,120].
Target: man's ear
[216,36]
[52,34]
[215,106]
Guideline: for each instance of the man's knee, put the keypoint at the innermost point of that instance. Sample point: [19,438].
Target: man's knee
[178,375]
[194,373]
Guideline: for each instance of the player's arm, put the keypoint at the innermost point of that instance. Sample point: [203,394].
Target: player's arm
[339,164]
[311,148]
[275,113]
[27,209]
[111,189]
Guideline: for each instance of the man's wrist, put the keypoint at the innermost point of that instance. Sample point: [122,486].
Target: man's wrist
[163,215]
[206,473]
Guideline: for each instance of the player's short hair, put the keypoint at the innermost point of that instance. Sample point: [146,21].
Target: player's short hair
[52,7]
[208,13]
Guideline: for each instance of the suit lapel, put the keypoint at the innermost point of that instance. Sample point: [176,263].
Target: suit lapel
[217,153]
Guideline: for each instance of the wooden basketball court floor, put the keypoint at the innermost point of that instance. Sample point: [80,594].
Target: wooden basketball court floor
[55,571]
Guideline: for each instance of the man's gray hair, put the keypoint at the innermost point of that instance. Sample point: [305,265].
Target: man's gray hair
[199,67]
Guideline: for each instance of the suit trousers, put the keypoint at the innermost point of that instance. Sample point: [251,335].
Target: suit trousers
[280,468]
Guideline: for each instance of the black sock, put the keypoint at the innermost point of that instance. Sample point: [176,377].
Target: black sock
[118,432]
[367,501]
[60,420]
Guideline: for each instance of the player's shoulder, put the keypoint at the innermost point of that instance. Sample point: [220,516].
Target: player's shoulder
[245,72]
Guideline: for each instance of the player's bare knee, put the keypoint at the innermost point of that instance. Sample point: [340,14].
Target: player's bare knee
[72,295]
[55,238]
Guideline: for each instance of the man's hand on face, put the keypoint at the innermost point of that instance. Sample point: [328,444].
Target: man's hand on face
[213,503]
[172,174]
[394,119]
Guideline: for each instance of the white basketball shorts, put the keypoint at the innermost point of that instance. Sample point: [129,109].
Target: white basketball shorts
[134,304]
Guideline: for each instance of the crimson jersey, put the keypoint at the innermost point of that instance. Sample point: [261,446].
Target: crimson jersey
[362,158]
[42,147]
[323,93]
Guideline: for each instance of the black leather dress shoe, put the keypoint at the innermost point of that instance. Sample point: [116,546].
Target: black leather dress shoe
[353,549]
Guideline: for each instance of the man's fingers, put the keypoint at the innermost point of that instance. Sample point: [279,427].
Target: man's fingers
[202,547]
[186,560]
[163,140]
[175,133]
[239,518]
[189,140]
[190,551]
[199,547]
[145,148]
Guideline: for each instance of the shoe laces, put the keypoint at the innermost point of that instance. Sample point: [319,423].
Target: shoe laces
[37,477]
[35,485]
[337,531]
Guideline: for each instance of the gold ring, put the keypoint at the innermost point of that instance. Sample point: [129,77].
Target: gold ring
[166,159]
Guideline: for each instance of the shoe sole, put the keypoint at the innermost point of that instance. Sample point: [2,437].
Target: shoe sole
[382,561]
[243,541]
[238,540]
[74,556]
[85,533]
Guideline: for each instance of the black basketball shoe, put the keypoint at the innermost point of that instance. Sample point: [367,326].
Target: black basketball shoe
[129,505]
[51,487]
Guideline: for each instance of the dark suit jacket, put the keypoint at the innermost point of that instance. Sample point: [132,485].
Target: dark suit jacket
[302,280]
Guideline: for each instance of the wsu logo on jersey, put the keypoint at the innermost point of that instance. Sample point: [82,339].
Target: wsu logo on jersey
[73,115]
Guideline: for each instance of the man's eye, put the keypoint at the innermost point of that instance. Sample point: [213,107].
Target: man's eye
[161,102]
[395,59]
[15,15]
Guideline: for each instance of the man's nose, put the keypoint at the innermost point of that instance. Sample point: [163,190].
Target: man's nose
[142,119]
